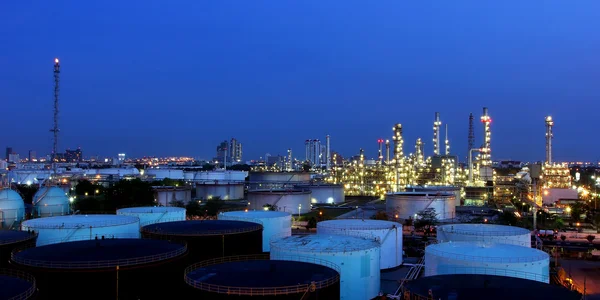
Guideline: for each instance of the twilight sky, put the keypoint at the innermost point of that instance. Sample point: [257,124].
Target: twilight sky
[176,77]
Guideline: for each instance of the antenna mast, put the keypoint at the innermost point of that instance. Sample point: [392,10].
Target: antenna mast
[471,133]
[54,129]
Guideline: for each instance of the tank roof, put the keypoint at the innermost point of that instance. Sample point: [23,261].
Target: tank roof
[16,284]
[483,229]
[323,243]
[202,227]
[80,221]
[258,276]
[9,195]
[279,191]
[472,287]
[14,236]
[421,194]
[262,214]
[358,224]
[489,252]
[317,185]
[150,209]
[95,254]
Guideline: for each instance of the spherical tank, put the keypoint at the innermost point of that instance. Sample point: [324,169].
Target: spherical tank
[471,286]
[275,223]
[160,174]
[388,234]
[207,239]
[409,204]
[256,277]
[11,240]
[17,285]
[12,208]
[62,229]
[487,233]
[165,195]
[292,201]
[223,190]
[50,201]
[358,260]
[143,269]
[155,214]
[487,259]
[324,193]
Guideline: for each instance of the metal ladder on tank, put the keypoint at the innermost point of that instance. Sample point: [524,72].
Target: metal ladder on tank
[65,239]
[281,197]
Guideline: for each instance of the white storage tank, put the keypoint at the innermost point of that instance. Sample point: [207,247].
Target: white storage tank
[488,233]
[12,208]
[160,174]
[165,195]
[275,223]
[324,193]
[357,259]
[51,202]
[409,204]
[487,259]
[154,214]
[277,180]
[62,229]
[292,201]
[223,190]
[388,234]
[456,190]
[217,175]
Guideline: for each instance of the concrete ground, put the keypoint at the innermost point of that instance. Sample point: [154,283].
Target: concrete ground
[581,270]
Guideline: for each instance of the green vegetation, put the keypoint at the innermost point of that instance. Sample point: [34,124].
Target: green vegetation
[380,215]
[125,193]
[425,220]
[168,182]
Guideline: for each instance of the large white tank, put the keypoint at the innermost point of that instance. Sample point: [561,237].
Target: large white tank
[160,174]
[218,175]
[292,201]
[409,204]
[223,190]
[277,180]
[487,233]
[324,193]
[275,223]
[357,258]
[154,214]
[12,208]
[51,202]
[120,172]
[165,195]
[388,234]
[456,190]
[487,259]
[62,229]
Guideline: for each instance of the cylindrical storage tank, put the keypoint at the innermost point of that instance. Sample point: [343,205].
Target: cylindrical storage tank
[217,175]
[12,208]
[487,259]
[50,202]
[105,269]
[211,238]
[324,193]
[388,234]
[357,258]
[166,195]
[292,201]
[275,223]
[255,277]
[160,174]
[409,204]
[154,214]
[470,286]
[62,229]
[223,190]
[11,240]
[17,285]
[487,233]
[456,190]
[276,180]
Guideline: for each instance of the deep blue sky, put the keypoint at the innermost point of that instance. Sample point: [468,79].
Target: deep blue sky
[176,77]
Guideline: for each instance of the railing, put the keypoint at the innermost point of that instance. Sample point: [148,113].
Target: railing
[449,229]
[162,232]
[492,271]
[87,237]
[94,224]
[24,276]
[166,220]
[258,291]
[334,246]
[31,236]
[99,264]
[489,259]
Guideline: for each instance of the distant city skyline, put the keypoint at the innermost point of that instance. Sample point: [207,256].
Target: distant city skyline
[175,79]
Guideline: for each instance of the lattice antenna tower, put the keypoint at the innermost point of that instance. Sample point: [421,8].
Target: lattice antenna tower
[55,129]
[471,138]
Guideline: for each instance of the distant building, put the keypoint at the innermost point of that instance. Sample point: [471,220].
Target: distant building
[121,158]
[313,150]
[32,156]
[13,158]
[73,155]
[9,151]
[221,151]
[235,151]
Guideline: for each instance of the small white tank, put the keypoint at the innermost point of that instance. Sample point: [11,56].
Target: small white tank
[12,208]
[324,193]
[275,223]
[409,204]
[51,202]
[62,229]
[357,259]
[223,190]
[165,195]
[388,234]
[292,201]
[487,233]
[487,259]
[154,214]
